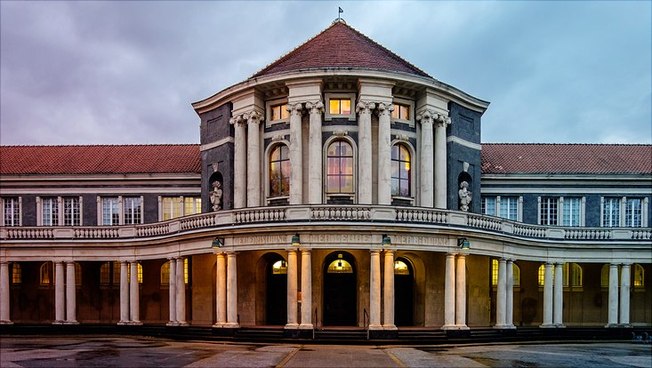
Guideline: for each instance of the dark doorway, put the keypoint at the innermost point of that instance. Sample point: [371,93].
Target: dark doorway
[276,294]
[403,292]
[340,292]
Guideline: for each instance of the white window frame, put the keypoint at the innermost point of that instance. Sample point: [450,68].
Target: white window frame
[622,210]
[121,219]
[519,206]
[178,206]
[268,112]
[20,210]
[339,96]
[60,210]
[413,171]
[268,152]
[331,139]
[560,210]
[405,102]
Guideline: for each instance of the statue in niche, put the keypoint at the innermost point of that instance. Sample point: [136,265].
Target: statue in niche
[216,196]
[465,196]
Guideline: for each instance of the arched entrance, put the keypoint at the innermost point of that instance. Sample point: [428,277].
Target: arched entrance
[340,291]
[403,292]
[275,289]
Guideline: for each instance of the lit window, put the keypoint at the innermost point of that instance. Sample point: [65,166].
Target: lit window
[16,274]
[340,266]
[172,207]
[279,171]
[339,177]
[192,206]
[541,275]
[165,273]
[509,208]
[611,212]
[604,276]
[45,273]
[10,211]
[279,112]
[516,273]
[401,268]
[488,206]
[110,212]
[50,211]
[279,268]
[548,211]
[401,174]
[639,273]
[71,211]
[401,112]
[571,211]
[132,210]
[576,275]
[633,212]
[339,106]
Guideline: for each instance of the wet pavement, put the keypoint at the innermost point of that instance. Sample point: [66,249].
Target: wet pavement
[116,351]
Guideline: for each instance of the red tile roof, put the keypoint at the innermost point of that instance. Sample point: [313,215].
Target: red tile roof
[340,46]
[566,159]
[99,159]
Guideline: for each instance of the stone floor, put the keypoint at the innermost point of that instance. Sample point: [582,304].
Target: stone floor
[114,351]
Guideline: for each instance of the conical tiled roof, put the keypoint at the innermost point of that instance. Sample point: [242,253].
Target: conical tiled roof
[340,46]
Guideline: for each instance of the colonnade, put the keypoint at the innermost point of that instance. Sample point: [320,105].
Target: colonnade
[226,299]
[129,294]
[455,292]
[618,314]
[177,292]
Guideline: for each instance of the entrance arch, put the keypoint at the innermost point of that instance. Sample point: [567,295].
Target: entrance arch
[275,289]
[340,290]
[403,292]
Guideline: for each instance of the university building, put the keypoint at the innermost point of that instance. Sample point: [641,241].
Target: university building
[338,186]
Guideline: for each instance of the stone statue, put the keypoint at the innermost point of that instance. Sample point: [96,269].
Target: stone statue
[465,196]
[216,196]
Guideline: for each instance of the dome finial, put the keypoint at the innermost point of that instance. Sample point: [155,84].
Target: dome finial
[339,16]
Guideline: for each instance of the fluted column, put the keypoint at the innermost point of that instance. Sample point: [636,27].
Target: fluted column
[547,295]
[59,293]
[374,291]
[501,295]
[509,310]
[384,155]
[71,294]
[426,159]
[441,161]
[315,154]
[124,293]
[134,295]
[231,291]
[253,159]
[5,315]
[239,163]
[558,311]
[449,292]
[460,292]
[625,279]
[181,292]
[613,296]
[220,292]
[296,156]
[172,291]
[306,289]
[292,290]
[388,292]
[364,151]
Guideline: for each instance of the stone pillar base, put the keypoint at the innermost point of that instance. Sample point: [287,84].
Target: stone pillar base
[123,323]
[622,325]
[291,326]
[135,323]
[183,324]
[306,326]
[375,327]
[71,323]
[58,322]
[449,327]
[612,325]
[547,326]
[560,325]
[231,325]
[6,323]
[390,327]
[171,324]
[218,325]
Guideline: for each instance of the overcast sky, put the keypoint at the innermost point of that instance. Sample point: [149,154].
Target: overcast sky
[126,72]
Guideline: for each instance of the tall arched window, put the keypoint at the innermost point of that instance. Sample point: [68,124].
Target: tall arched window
[340,167]
[401,171]
[279,171]
[45,274]
[541,275]
[639,273]
[576,275]
[16,274]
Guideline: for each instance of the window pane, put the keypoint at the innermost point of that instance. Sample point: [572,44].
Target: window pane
[405,112]
[333,184]
[345,107]
[395,152]
[11,211]
[347,184]
[395,186]
[347,166]
[50,211]
[405,188]
[284,111]
[633,212]
[611,212]
[334,107]
[333,166]
[395,113]
[131,207]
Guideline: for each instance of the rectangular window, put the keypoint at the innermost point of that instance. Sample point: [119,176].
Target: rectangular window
[633,212]
[339,106]
[279,112]
[110,211]
[488,206]
[10,211]
[611,212]
[571,211]
[509,208]
[548,211]
[401,112]
[192,205]
[50,211]
[71,211]
[172,207]
[132,210]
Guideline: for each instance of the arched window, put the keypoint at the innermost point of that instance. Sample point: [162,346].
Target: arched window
[165,272]
[279,171]
[542,275]
[16,274]
[639,276]
[401,171]
[45,274]
[340,266]
[576,275]
[280,268]
[401,268]
[516,272]
[339,176]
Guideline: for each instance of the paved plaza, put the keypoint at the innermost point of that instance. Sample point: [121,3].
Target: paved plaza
[113,351]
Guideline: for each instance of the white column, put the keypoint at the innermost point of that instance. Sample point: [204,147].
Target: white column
[296,155]
[291,290]
[501,294]
[613,295]
[306,289]
[220,292]
[384,155]
[172,291]
[441,161]
[59,293]
[134,294]
[5,316]
[460,292]
[124,294]
[374,291]
[426,160]
[71,291]
[558,310]
[449,292]
[624,294]
[509,310]
[181,292]
[547,296]
[231,292]
[315,154]
[388,292]
[253,159]
[364,152]
[239,164]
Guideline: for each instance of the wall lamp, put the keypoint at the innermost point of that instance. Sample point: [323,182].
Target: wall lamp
[463,243]
[386,240]
[218,243]
[296,241]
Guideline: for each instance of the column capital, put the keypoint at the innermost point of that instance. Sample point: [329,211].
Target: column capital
[295,109]
[305,249]
[253,117]
[442,121]
[385,109]
[365,107]
[237,120]
[315,107]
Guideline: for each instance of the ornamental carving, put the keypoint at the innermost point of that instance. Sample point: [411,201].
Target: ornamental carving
[364,107]
[430,116]
[385,109]
[295,109]
[315,107]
